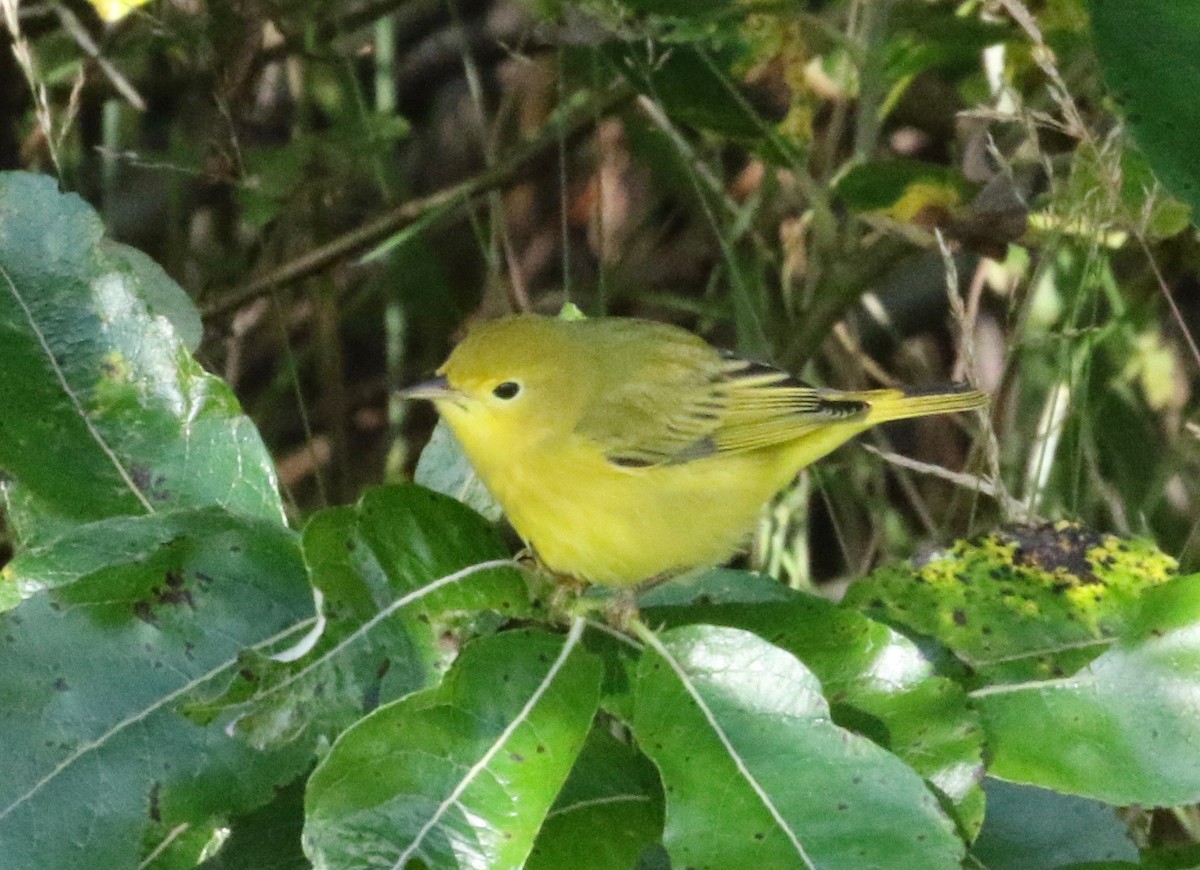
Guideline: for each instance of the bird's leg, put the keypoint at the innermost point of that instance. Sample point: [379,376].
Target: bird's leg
[564,589]
[567,591]
[621,609]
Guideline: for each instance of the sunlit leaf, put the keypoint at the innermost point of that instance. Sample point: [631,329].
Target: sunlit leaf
[92,673]
[741,734]
[1027,601]
[877,681]
[463,774]
[1122,730]
[112,11]
[105,411]
[401,583]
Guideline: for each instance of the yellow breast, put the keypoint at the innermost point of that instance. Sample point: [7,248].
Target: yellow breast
[620,526]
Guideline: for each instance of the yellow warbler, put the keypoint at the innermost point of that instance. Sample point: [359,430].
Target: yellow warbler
[623,450]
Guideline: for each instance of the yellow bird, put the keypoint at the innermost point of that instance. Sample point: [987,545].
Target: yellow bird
[623,450]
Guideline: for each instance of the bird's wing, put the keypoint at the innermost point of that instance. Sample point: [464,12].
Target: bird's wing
[680,408]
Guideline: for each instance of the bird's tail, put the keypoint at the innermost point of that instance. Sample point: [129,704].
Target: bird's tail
[919,402]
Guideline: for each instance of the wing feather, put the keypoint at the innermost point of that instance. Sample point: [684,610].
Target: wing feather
[680,403]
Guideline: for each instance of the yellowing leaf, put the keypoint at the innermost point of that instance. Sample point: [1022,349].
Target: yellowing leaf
[112,11]
[922,198]
[1152,366]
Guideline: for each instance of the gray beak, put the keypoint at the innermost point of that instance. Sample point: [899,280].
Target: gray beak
[435,389]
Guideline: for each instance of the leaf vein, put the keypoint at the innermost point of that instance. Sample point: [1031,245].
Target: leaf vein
[74,399]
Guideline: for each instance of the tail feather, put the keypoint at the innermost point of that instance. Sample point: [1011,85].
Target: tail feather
[900,404]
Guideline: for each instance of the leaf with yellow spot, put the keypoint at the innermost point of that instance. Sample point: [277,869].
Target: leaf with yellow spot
[1152,366]
[112,11]
[1026,602]
[904,190]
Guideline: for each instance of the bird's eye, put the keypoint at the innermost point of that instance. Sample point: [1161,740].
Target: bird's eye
[506,390]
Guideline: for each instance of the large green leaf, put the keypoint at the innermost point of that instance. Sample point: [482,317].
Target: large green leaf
[610,809]
[1125,728]
[878,682]
[92,671]
[405,576]
[463,774]
[756,774]
[1031,828]
[105,411]
[1147,51]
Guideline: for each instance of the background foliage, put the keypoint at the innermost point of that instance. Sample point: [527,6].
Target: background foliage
[234,635]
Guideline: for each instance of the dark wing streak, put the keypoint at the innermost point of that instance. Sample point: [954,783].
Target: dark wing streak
[746,405]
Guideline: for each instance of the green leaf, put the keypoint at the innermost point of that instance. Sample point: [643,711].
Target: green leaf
[461,775]
[92,672]
[700,93]
[882,184]
[610,810]
[1147,51]
[741,734]
[267,838]
[1024,602]
[1172,858]
[1031,828]
[877,680]
[163,297]
[717,586]
[106,414]
[1122,730]
[393,620]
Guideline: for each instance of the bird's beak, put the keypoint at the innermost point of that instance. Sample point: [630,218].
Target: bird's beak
[434,389]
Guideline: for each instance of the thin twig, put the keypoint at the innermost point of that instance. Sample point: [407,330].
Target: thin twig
[1176,314]
[1011,506]
[26,60]
[84,40]
[446,200]
[965,316]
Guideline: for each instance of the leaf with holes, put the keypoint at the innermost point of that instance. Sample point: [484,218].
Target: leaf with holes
[1022,602]
[1125,728]
[92,672]
[106,413]
[741,734]
[405,576]
[463,774]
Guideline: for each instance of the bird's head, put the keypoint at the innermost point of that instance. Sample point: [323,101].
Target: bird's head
[511,382]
